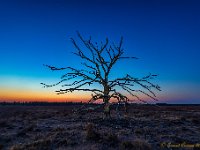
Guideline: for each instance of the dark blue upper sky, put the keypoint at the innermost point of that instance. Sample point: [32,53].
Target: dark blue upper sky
[164,34]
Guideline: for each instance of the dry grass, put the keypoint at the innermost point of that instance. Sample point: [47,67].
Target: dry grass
[91,133]
[145,127]
[135,145]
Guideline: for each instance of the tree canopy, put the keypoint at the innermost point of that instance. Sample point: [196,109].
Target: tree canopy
[97,66]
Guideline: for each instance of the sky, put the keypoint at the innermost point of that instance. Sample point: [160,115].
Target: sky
[164,35]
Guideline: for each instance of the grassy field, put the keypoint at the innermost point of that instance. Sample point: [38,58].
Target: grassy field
[57,127]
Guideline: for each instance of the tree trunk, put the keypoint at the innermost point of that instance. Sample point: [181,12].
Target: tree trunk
[106,109]
[106,102]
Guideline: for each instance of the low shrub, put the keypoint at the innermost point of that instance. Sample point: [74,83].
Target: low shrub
[91,133]
[111,140]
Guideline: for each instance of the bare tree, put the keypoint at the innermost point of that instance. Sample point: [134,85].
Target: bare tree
[98,64]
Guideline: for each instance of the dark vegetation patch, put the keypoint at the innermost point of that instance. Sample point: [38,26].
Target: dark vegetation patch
[57,127]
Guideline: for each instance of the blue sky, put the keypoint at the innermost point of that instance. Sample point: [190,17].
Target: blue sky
[164,34]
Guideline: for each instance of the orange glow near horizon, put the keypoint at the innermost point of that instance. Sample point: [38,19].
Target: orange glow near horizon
[28,89]
[20,95]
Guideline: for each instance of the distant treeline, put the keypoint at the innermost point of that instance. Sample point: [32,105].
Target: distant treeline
[41,103]
[36,103]
[165,104]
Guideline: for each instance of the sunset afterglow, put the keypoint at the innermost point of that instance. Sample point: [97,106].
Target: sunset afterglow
[164,36]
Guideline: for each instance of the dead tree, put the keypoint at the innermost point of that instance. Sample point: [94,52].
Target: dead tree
[97,65]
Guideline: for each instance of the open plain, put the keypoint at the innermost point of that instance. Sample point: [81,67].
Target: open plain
[144,127]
